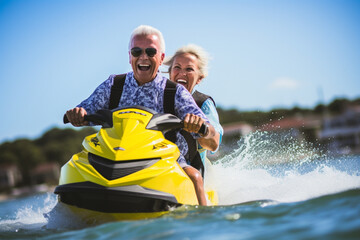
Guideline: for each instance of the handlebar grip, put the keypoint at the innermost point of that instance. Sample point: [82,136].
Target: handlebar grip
[203,129]
[65,119]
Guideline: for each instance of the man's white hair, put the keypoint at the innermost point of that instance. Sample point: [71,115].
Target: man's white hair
[148,30]
[202,56]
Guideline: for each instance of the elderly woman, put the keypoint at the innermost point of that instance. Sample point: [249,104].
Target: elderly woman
[188,66]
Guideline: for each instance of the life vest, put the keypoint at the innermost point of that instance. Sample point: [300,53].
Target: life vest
[192,156]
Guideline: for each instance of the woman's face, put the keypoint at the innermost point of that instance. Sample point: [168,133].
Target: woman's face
[185,71]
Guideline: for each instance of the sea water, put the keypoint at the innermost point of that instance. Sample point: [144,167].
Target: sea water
[270,187]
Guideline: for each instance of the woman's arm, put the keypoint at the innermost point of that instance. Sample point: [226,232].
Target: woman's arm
[209,109]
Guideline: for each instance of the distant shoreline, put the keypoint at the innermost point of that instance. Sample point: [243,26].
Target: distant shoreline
[25,191]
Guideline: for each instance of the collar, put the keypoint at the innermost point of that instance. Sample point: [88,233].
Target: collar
[152,83]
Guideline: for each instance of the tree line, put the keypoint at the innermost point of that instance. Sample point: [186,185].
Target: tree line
[258,118]
[58,145]
[55,145]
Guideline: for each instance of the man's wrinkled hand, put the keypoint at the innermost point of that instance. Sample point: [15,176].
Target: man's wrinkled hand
[76,116]
[192,123]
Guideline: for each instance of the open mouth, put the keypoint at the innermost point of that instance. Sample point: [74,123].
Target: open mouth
[181,81]
[143,67]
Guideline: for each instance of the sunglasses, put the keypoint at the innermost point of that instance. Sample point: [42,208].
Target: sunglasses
[136,51]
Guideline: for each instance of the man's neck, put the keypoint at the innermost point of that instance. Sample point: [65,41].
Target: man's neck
[142,83]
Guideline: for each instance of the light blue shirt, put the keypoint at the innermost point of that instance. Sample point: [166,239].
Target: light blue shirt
[209,110]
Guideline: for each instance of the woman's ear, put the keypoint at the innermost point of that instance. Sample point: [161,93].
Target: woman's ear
[200,79]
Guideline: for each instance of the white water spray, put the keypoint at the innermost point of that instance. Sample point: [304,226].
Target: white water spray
[278,167]
[29,216]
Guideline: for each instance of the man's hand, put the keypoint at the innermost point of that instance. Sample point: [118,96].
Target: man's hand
[210,141]
[192,123]
[76,116]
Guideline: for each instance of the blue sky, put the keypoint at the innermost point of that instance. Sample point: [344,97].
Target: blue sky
[265,54]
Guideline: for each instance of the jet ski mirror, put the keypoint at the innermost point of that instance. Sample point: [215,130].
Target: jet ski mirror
[165,122]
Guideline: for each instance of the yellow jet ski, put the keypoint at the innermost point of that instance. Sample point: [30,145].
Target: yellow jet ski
[128,170]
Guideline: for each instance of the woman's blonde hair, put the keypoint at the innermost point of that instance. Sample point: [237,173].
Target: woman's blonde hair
[202,56]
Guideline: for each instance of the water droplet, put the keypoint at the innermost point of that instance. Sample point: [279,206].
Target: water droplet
[233,216]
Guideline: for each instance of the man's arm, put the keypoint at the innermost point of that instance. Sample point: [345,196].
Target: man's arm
[99,99]
[210,139]
[187,109]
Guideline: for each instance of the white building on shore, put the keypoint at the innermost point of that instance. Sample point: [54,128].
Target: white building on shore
[342,133]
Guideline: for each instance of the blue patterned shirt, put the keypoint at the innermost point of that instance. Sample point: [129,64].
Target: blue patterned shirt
[149,95]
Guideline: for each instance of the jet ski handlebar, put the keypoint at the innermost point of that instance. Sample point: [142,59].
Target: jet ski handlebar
[98,118]
[162,122]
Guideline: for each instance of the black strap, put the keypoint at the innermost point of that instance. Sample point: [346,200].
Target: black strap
[116,91]
[193,155]
[169,97]
[200,98]
[169,106]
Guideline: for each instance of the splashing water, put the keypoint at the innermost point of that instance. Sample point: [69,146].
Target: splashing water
[278,167]
[29,215]
[265,149]
[41,212]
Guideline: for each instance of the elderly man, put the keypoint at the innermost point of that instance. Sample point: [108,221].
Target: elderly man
[145,86]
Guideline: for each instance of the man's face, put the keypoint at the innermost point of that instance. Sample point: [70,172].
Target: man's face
[145,67]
